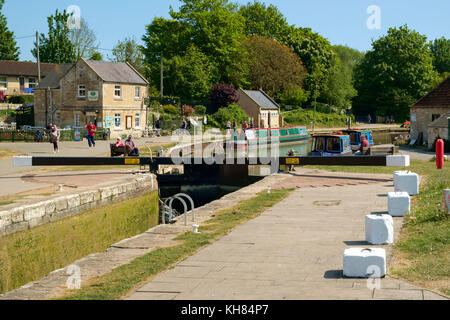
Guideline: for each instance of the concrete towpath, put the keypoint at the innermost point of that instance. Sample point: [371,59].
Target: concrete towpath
[293,251]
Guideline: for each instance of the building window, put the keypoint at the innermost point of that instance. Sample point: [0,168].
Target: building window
[77,120]
[435,116]
[118,91]
[81,91]
[3,82]
[58,118]
[32,83]
[118,121]
[137,92]
[137,120]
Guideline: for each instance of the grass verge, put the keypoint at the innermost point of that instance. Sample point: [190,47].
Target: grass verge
[422,253]
[125,278]
[7,153]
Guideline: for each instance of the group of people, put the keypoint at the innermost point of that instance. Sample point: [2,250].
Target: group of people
[129,143]
[244,127]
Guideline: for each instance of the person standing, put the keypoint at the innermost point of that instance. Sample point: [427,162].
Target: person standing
[54,138]
[91,129]
[244,126]
[158,127]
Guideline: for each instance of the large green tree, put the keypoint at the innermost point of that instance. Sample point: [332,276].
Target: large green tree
[8,45]
[56,47]
[275,68]
[441,54]
[340,88]
[394,73]
[316,54]
[214,27]
[262,20]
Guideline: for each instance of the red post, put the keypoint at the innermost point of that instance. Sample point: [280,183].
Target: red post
[439,154]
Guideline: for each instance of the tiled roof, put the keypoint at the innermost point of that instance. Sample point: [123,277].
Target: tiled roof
[437,97]
[441,122]
[29,69]
[262,99]
[53,77]
[117,72]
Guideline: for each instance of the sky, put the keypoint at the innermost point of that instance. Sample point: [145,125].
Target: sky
[342,22]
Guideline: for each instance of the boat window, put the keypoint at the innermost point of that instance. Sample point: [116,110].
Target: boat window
[319,144]
[371,136]
[333,144]
[344,144]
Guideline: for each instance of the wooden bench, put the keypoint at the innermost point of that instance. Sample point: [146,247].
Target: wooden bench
[380,150]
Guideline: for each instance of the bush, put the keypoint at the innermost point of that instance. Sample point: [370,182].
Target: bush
[170,109]
[232,112]
[222,95]
[200,110]
[305,117]
[188,111]
[294,96]
[16,100]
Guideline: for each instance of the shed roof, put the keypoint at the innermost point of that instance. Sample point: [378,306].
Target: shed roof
[262,99]
[439,96]
[24,68]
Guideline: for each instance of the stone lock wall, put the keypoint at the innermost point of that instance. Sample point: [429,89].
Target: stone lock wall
[29,216]
[423,117]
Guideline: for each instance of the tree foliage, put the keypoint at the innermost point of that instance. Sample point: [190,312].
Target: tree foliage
[56,47]
[8,46]
[394,73]
[441,54]
[129,51]
[275,68]
[222,95]
[262,20]
[229,113]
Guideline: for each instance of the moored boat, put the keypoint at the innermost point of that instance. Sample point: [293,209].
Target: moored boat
[331,145]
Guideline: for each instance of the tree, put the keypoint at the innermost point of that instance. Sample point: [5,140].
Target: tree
[397,71]
[8,46]
[96,56]
[340,88]
[129,51]
[230,113]
[441,54]
[56,47]
[83,40]
[222,95]
[214,27]
[275,67]
[316,54]
[262,20]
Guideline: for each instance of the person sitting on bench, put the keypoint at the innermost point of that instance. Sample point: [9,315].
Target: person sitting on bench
[119,142]
[364,143]
[132,149]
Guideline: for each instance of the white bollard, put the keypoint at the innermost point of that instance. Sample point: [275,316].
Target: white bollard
[195,228]
[379,229]
[447,200]
[399,204]
[360,262]
[397,161]
[406,181]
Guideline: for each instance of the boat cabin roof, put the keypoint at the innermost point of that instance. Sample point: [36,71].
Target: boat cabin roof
[333,135]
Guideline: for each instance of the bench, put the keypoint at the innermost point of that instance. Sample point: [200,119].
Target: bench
[380,150]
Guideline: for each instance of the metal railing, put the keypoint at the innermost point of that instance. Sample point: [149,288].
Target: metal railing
[168,211]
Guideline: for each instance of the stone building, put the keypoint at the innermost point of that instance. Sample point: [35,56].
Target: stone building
[18,77]
[109,94]
[259,106]
[429,115]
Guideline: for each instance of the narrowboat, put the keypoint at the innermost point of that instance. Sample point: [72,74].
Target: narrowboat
[355,137]
[331,145]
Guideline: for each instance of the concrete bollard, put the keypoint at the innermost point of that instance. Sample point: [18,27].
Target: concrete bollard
[364,263]
[397,161]
[406,181]
[399,204]
[379,229]
[195,228]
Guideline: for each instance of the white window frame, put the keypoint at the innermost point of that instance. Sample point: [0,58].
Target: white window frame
[137,93]
[119,89]
[77,120]
[80,89]
[32,83]
[118,116]
[137,120]
[5,83]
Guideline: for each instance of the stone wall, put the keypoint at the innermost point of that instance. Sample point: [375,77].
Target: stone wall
[32,215]
[423,117]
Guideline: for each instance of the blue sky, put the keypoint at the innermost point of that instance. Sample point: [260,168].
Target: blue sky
[341,22]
